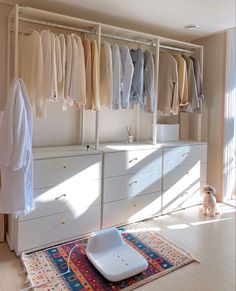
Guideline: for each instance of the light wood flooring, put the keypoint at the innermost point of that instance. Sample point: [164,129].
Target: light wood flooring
[210,240]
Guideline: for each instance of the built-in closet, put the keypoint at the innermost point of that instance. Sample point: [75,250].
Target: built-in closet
[80,189]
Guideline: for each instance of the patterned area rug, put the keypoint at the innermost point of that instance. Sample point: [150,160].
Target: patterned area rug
[45,268]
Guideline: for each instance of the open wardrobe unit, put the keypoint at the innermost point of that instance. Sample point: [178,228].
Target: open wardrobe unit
[99,155]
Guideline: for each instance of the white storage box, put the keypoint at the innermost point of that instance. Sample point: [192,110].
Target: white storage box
[167,132]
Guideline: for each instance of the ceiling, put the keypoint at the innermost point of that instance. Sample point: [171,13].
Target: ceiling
[161,17]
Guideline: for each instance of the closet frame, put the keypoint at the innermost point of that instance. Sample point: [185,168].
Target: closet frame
[50,19]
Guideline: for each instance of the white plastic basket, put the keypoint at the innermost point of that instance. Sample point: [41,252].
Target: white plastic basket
[112,256]
[167,132]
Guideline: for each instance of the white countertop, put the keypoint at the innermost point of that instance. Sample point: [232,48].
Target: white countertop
[62,151]
[78,150]
[142,145]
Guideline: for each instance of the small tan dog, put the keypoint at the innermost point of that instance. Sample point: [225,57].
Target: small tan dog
[209,200]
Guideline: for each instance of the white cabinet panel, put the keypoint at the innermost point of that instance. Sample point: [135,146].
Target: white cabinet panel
[184,174]
[132,209]
[184,155]
[182,177]
[64,197]
[178,197]
[51,172]
[36,233]
[129,162]
[122,187]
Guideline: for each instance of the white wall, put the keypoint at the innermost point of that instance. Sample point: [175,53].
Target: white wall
[214,91]
[4,10]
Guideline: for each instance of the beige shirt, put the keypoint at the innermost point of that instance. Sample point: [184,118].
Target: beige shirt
[80,78]
[95,75]
[47,62]
[168,85]
[31,70]
[182,80]
[68,65]
[88,73]
[106,82]
[61,83]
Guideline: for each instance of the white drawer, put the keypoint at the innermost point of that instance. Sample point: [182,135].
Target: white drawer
[184,155]
[178,197]
[130,210]
[67,196]
[51,172]
[184,175]
[124,163]
[37,233]
[122,187]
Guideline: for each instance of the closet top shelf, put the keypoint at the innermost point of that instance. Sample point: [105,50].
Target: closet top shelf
[30,14]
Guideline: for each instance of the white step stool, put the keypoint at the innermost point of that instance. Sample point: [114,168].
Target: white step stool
[112,256]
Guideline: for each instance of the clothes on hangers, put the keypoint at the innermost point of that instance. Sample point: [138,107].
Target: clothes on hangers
[127,70]
[182,80]
[81,93]
[16,193]
[31,69]
[68,66]
[116,72]
[149,77]
[192,88]
[47,62]
[168,102]
[198,76]
[106,75]
[88,74]
[95,76]
[136,94]
[61,83]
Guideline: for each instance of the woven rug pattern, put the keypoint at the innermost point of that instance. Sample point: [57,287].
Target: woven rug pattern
[44,268]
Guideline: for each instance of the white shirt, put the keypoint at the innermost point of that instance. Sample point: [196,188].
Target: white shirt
[16,194]
[127,70]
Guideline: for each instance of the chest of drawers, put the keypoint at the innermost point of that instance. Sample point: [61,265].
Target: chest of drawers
[67,198]
[131,185]
[77,192]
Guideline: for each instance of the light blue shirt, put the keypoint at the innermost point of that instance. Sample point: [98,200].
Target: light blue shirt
[137,95]
[127,70]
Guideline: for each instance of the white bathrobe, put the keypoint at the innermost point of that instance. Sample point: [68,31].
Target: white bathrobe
[16,193]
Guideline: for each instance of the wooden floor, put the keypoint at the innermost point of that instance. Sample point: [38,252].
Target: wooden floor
[210,240]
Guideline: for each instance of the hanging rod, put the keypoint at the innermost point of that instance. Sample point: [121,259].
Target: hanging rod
[174,48]
[24,19]
[151,43]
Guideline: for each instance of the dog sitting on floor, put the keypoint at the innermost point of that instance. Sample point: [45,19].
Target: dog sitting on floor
[209,200]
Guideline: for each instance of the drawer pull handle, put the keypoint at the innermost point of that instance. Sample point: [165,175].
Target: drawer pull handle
[65,167]
[63,222]
[132,183]
[61,196]
[185,154]
[134,204]
[134,159]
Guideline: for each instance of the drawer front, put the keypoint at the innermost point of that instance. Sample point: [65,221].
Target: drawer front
[123,187]
[131,210]
[184,176]
[51,172]
[37,233]
[184,155]
[67,196]
[177,198]
[125,163]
